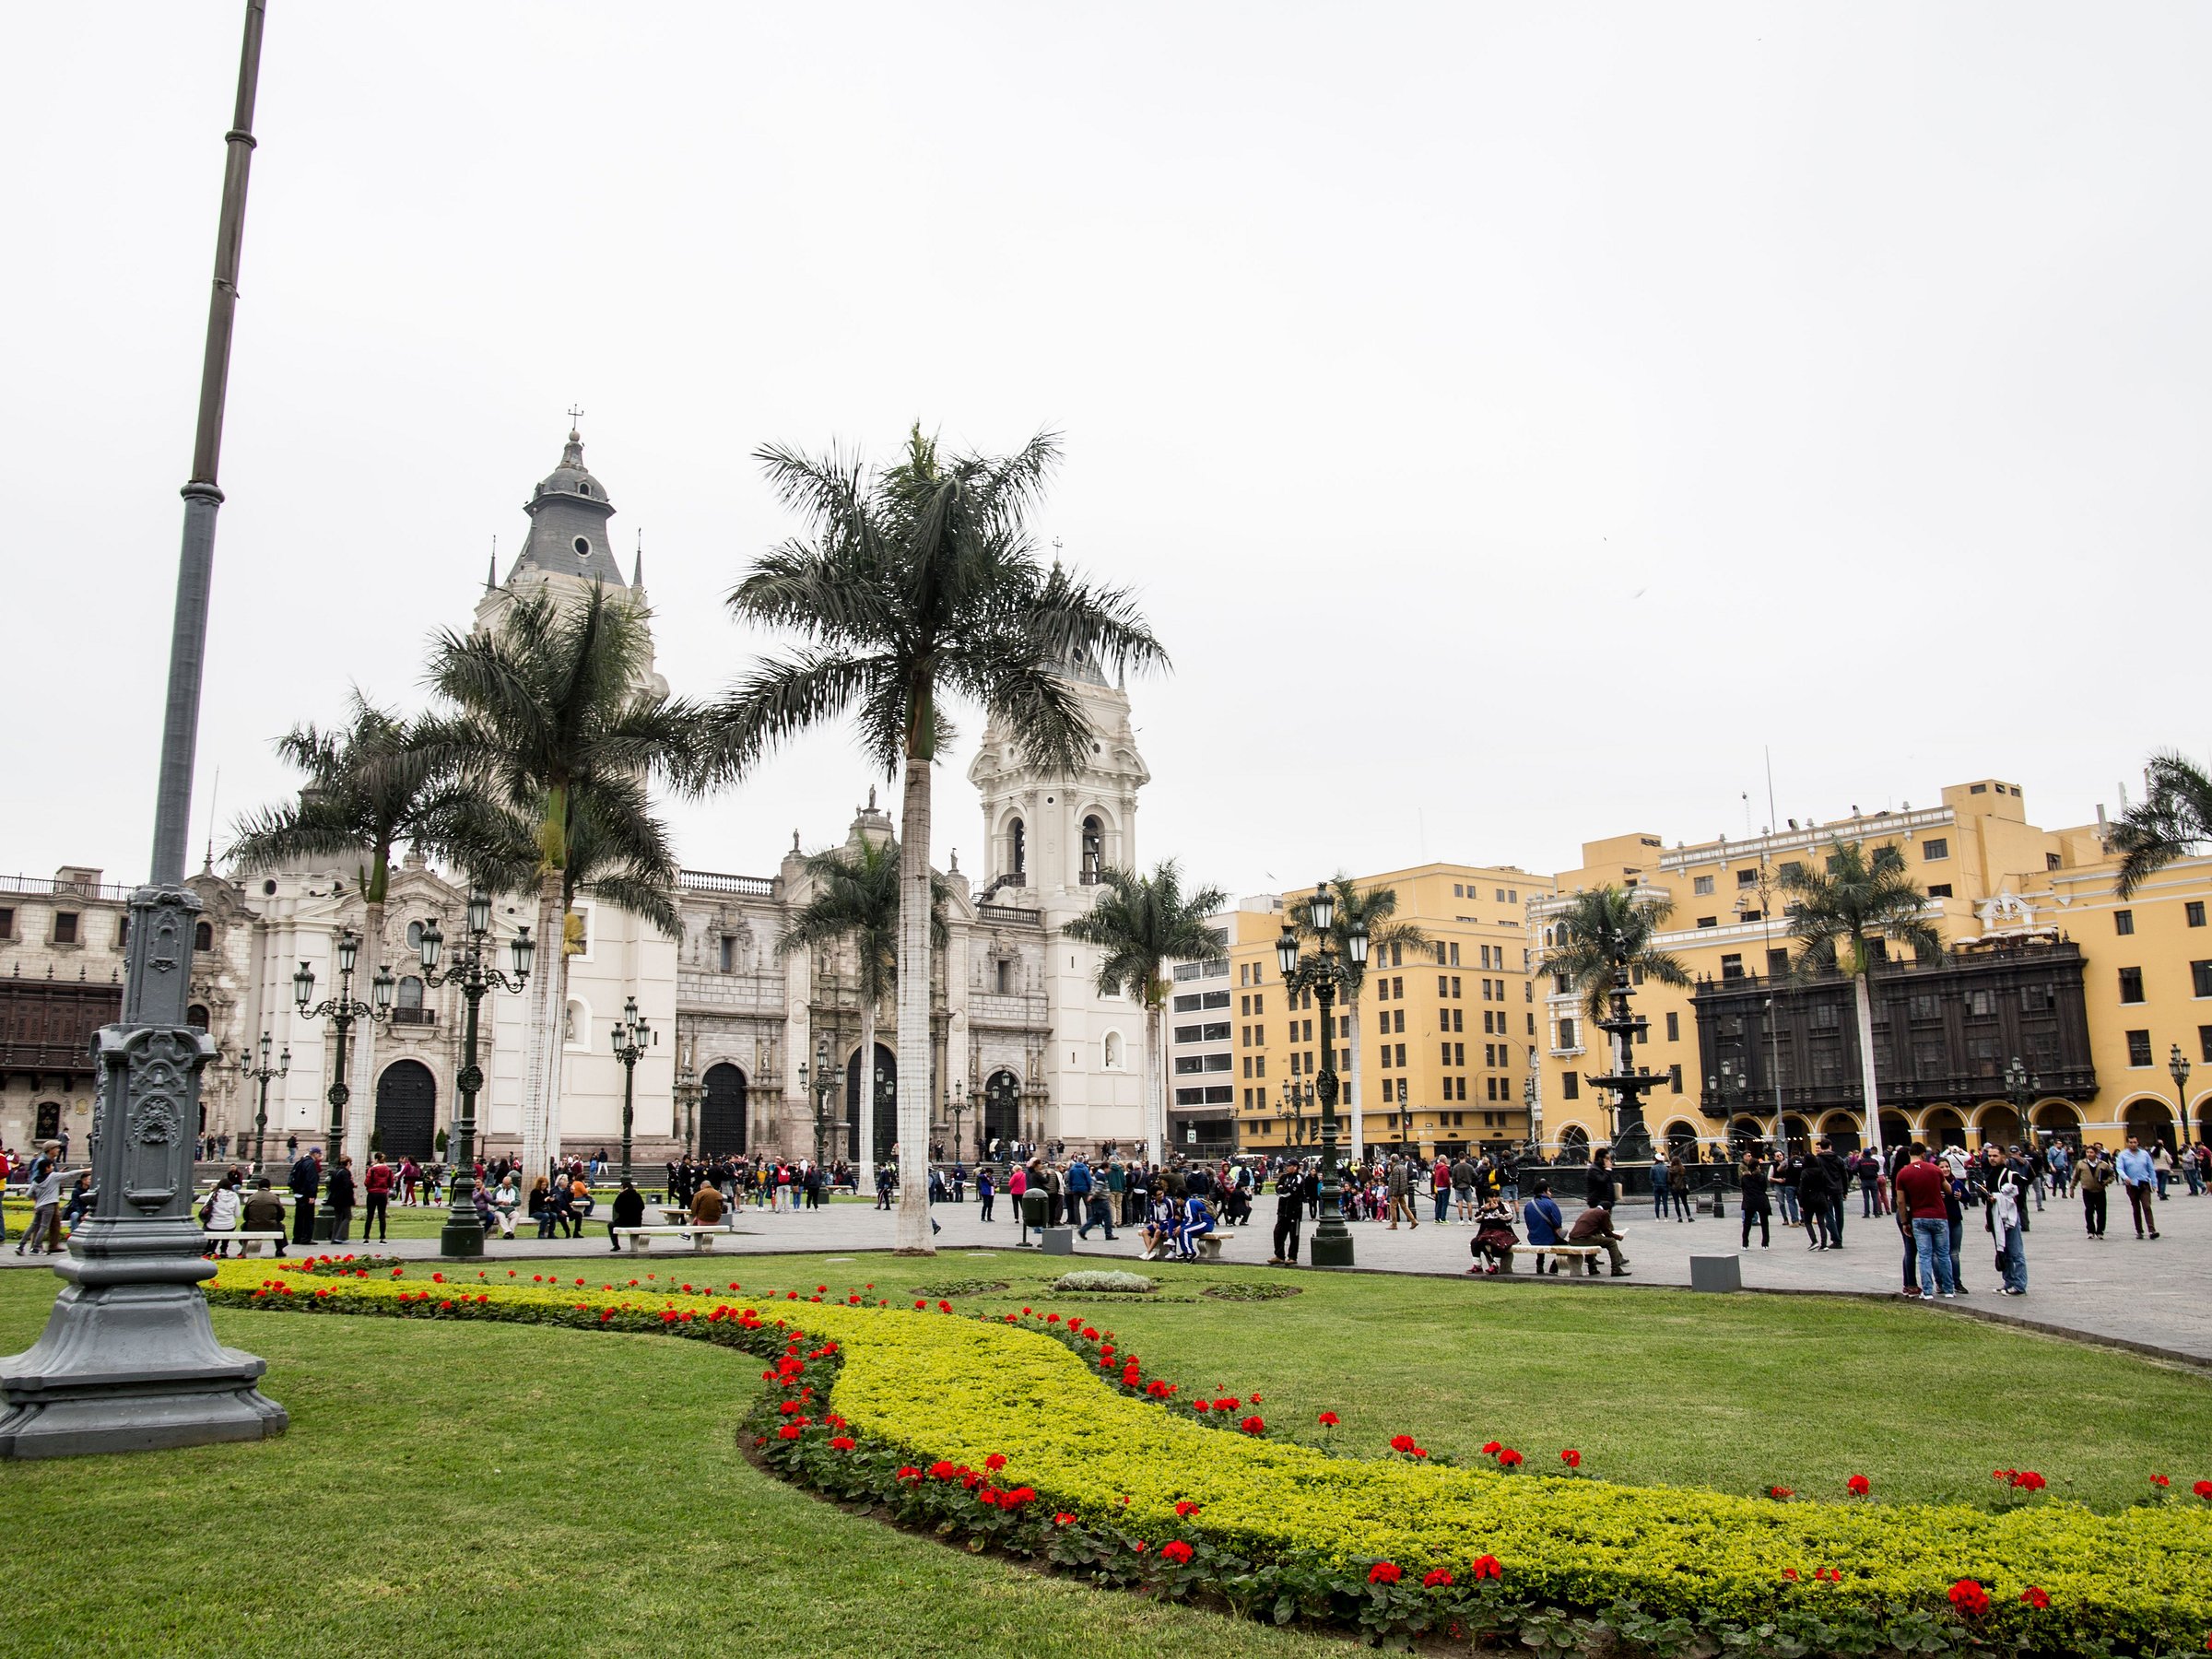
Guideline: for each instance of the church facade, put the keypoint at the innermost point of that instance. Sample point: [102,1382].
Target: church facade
[1023,1045]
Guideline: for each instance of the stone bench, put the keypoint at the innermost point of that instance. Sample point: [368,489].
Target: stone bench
[1583,1257]
[641,1238]
[250,1243]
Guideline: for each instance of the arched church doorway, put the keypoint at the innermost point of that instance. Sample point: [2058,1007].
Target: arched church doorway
[886,1104]
[722,1112]
[407,1110]
[1002,1108]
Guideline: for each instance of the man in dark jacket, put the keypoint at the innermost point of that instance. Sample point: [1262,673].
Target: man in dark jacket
[1813,1194]
[1293,1193]
[263,1213]
[1839,1188]
[1594,1226]
[1755,1209]
[305,1181]
[341,1199]
[629,1212]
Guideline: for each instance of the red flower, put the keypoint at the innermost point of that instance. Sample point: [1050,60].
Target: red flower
[1436,1579]
[1507,1459]
[842,1442]
[1018,1496]
[1328,1419]
[1230,1404]
[2161,1480]
[1252,1424]
[789,1432]
[1175,1554]
[1491,1448]
[989,1495]
[1969,1598]
[1486,1567]
[1404,1443]
[1858,1486]
[1198,1405]
[941,1470]
[1790,1574]
[2203,1489]
[439,1278]
[2027,1480]
[2036,1596]
[919,1304]
[909,1473]
[1571,1458]
[1052,1319]
[1063,1519]
[445,1307]
[1383,1572]
[1184,1509]
[1781,1494]
[995,1462]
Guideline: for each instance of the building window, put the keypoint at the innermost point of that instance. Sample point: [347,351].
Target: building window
[1939,889]
[2053,862]
[1709,921]
[1006,977]
[1571,1087]
[1731,967]
[2131,985]
[1674,1078]
[2123,922]
[7,922]
[196,1016]
[1701,886]
[2200,979]
[1674,1026]
[1094,851]
[2203,1042]
[1017,837]
[64,927]
[1933,848]
[1566,1033]
[1778,963]
[1455,953]
[2194,913]
[1745,878]
[203,935]
[2139,1048]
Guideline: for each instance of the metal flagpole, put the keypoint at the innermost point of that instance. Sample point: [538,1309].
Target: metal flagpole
[128,1360]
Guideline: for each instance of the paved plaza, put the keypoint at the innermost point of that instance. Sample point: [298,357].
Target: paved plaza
[2145,1294]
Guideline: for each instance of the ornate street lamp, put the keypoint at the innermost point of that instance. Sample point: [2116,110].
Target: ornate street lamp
[956,1106]
[1322,974]
[823,1083]
[634,1034]
[341,1011]
[688,1091]
[2177,1067]
[2022,1088]
[464,1234]
[263,1074]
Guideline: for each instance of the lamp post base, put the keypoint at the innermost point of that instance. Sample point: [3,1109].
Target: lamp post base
[460,1238]
[130,1367]
[1330,1249]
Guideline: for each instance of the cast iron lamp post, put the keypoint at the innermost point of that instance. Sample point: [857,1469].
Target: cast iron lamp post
[263,1074]
[464,1234]
[128,1360]
[1322,973]
[634,1034]
[823,1083]
[2177,1067]
[2022,1088]
[956,1108]
[341,1011]
[687,1091]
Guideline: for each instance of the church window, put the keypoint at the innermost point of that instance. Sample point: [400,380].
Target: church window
[1006,977]
[729,953]
[1018,838]
[1094,851]
[583,490]
[583,548]
[203,935]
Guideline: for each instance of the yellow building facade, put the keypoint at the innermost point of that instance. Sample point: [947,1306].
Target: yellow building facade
[1444,1029]
[2044,966]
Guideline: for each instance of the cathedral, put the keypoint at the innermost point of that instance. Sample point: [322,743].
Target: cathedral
[1022,1044]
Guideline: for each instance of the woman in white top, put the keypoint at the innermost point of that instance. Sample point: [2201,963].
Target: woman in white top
[222,1213]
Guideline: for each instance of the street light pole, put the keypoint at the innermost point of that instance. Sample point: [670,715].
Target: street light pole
[2021,1090]
[464,1233]
[634,1034]
[1322,974]
[687,1091]
[2177,1067]
[341,1011]
[263,1074]
[128,1360]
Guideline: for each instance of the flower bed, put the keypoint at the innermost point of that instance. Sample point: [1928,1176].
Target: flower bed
[939,1419]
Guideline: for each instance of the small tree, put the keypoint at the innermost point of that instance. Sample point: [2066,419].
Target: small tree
[1143,924]
[1603,932]
[1840,912]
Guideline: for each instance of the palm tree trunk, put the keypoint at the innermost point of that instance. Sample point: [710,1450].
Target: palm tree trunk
[913,1012]
[542,1068]
[1156,1089]
[1351,1003]
[1867,1084]
[867,1091]
[360,1114]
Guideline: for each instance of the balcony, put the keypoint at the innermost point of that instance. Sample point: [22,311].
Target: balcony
[413,1016]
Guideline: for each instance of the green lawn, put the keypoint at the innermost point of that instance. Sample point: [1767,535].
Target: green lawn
[470,1486]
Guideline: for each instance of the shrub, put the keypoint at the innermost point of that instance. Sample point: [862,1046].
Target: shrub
[1120,1283]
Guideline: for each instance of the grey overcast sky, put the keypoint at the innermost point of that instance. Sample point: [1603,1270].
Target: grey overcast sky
[1514,418]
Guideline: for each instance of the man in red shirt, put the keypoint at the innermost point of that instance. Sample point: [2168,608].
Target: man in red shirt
[378,1188]
[1920,1188]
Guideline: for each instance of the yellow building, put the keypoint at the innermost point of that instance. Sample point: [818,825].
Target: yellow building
[2092,998]
[1445,1028]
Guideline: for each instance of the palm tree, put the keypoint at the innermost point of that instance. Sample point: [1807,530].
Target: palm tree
[1840,912]
[2173,820]
[371,786]
[1376,909]
[918,581]
[856,901]
[1145,924]
[552,705]
[1604,934]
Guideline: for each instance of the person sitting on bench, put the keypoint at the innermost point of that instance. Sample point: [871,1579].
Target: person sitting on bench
[629,1212]
[1492,1245]
[263,1213]
[1545,1222]
[1594,1226]
[1197,1222]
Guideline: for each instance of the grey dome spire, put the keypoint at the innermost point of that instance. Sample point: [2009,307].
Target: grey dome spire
[568,512]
